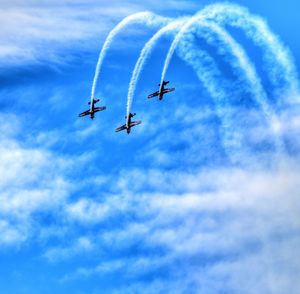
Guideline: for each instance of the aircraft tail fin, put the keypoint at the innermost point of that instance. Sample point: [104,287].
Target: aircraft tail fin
[95,101]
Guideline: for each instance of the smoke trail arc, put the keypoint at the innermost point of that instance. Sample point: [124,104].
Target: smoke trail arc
[211,77]
[240,62]
[212,81]
[212,19]
[277,57]
[145,54]
[245,67]
[146,18]
[244,63]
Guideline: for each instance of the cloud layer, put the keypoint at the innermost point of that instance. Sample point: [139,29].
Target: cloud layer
[231,230]
[39,31]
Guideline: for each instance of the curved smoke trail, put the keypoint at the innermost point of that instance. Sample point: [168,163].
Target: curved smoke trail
[209,81]
[243,62]
[148,18]
[144,55]
[279,60]
[212,79]
[245,67]
[276,56]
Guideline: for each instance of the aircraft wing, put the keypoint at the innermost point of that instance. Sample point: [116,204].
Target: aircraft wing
[135,123]
[84,113]
[169,90]
[99,108]
[153,95]
[121,128]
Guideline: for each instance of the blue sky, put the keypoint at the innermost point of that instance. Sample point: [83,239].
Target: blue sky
[202,197]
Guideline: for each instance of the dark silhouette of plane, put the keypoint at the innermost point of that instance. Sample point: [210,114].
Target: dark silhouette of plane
[91,112]
[129,124]
[162,90]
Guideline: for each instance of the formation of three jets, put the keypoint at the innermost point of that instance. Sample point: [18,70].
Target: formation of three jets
[129,123]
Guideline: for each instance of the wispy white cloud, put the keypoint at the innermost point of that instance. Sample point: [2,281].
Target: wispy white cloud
[39,31]
[208,228]
[214,223]
[236,221]
[36,34]
[33,180]
[80,245]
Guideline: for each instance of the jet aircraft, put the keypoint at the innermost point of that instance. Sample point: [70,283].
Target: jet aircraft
[162,90]
[91,112]
[129,124]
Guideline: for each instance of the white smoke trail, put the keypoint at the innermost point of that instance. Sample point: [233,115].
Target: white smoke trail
[147,18]
[243,62]
[280,65]
[212,79]
[144,55]
[279,61]
[244,66]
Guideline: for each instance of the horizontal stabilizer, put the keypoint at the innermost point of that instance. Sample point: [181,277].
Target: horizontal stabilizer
[169,90]
[95,101]
[99,108]
[153,95]
[121,128]
[87,112]
[135,123]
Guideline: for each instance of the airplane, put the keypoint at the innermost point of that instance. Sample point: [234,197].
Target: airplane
[129,124]
[162,91]
[92,109]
